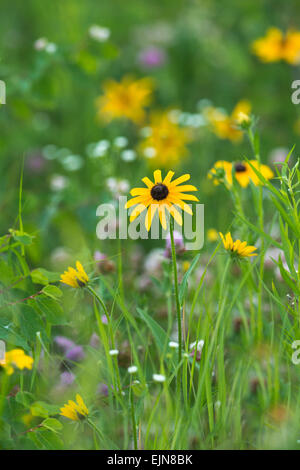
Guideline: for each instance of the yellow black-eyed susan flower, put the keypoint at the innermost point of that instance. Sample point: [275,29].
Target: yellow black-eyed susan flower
[75,277]
[237,247]
[160,196]
[244,173]
[75,411]
[223,172]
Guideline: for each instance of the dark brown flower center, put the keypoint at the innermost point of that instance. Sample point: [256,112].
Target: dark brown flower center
[159,191]
[240,167]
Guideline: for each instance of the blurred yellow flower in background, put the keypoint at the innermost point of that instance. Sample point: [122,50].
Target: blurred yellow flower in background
[276,46]
[75,277]
[165,144]
[226,126]
[239,248]
[125,99]
[16,358]
[160,196]
[212,235]
[221,173]
[75,411]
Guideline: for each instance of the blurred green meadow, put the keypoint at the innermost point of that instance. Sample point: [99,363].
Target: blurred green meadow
[228,381]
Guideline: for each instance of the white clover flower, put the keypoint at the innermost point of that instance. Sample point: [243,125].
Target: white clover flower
[173,344]
[132,369]
[40,44]
[58,182]
[99,33]
[113,352]
[158,378]
[120,141]
[146,131]
[199,344]
[128,155]
[149,152]
[51,48]
[174,115]
[72,162]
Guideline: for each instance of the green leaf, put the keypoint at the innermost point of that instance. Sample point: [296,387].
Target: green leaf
[52,291]
[24,398]
[184,283]
[42,276]
[49,308]
[46,439]
[43,409]
[157,331]
[30,323]
[52,424]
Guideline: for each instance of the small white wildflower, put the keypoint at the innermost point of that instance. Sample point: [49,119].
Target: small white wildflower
[40,44]
[100,148]
[146,131]
[128,155]
[174,115]
[149,152]
[99,33]
[199,343]
[185,355]
[136,382]
[217,405]
[158,378]
[173,344]
[58,182]
[132,369]
[113,352]
[121,141]
[72,162]
[51,48]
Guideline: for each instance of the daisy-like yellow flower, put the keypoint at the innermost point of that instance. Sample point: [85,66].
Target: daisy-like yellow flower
[160,196]
[276,46]
[75,411]
[226,126]
[223,172]
[244,173]
[75,277]
[166,143]
[16,358]
[237,248]
[125,99]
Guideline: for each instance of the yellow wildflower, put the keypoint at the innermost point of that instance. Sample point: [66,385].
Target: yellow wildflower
[75,411]
[223,171]
[161,195]
[16,358]
[125,99]
[276,46]
[166,143]
[238,248]
[212,235]
[226,126]
[75,277]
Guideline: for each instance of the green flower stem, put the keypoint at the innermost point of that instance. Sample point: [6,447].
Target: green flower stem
[261,226]
[178,309]
[94,293]
[95,428]
[133,418]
